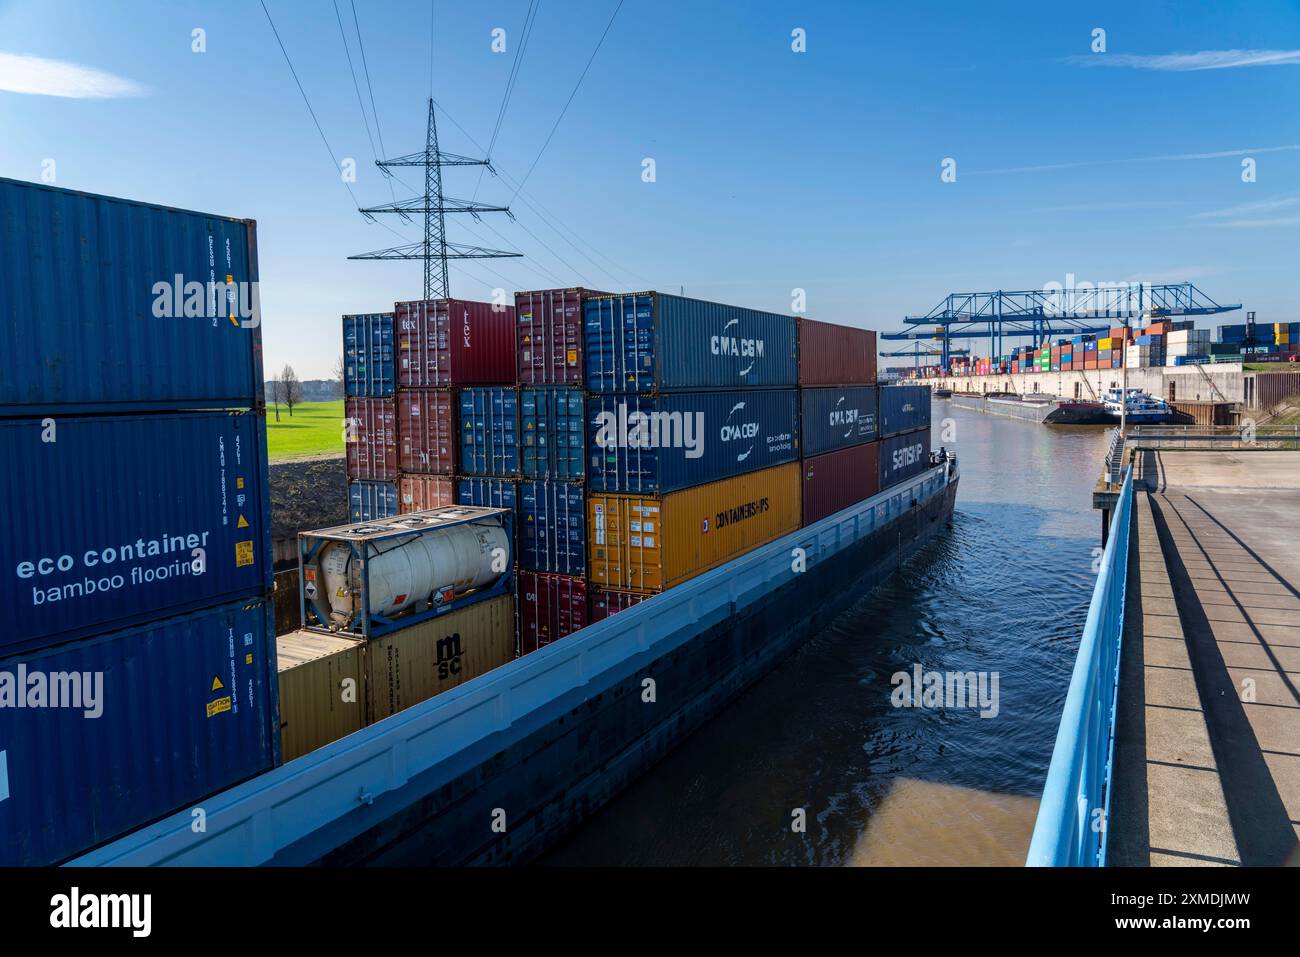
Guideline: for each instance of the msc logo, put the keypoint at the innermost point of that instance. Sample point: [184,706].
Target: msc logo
[449,653]
[908,455]
[728,343]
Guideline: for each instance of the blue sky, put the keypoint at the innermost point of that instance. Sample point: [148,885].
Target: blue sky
[775,170]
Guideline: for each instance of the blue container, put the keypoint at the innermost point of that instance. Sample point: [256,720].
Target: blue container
[189,708]
[369,371]
[371,500]
[107,517]
[552,527]
[903,457]
[553,433]
[831,419]
[95,320]
[649,444]
[489,431]
[650,342]
[489,493]
[904,408]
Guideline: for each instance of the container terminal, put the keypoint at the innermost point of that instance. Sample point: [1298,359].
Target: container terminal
[695,491]
[617,573]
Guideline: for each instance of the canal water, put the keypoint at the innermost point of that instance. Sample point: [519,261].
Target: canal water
[1004,592]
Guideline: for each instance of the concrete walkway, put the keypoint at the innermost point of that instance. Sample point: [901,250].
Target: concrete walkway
[1208,739]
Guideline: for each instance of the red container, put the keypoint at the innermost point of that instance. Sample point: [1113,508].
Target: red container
[426,429]
[838,479]
[548,336]
[419,493]
[370,431]
[835,355]
[605,603]
[447,342]
[550,607]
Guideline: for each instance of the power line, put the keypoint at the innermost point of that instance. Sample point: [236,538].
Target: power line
[590,60]
[545,216]
[524,34]
[361,44]
[347,49]
[329,149]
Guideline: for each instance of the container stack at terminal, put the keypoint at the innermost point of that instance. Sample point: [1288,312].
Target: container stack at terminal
[138,564]
[692,437]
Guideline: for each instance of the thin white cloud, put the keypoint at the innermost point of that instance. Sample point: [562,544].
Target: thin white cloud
[1246,209]
[1102,207]
[1178,157]
[1258,223]
[1186,62]
[20,73]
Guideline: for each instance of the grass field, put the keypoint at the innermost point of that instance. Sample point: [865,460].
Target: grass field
[316,428]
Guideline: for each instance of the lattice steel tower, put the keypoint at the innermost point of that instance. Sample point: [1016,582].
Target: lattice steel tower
[435,250]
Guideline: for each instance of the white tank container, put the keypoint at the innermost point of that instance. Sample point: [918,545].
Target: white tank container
[441,559]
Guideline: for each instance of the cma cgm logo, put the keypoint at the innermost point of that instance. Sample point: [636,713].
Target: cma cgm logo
[908,455]
[731,344]
[737,431]
[841,416]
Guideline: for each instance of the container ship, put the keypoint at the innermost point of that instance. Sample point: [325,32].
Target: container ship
[1044,409]
[582,525]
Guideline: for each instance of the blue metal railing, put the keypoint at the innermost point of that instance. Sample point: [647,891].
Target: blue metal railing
[1071,826]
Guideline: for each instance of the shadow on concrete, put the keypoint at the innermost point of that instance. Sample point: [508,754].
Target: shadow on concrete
[1260,823]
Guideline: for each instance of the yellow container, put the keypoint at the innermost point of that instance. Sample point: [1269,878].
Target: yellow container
[416,663]
[647,543]
[322,697]
[1104,344]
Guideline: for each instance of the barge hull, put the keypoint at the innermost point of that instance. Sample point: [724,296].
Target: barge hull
[541,743]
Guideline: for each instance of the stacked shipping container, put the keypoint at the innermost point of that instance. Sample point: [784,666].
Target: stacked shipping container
[839,408]
[692,437]
[138,565]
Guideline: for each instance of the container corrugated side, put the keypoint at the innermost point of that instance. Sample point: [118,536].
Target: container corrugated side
[548,326]
[646,544]
[317,703]
[117,520]
[831,355]
[89,297]
[415,663]
[369,369]
[904,408]
[649,341]
[368,501]
[489,431]
[644,443]
[454,342]
[606,602]
[551,607]
[426,431]
[832,419]
[370,428]
[188,709]
[489,493]
[552,528]
[553,433]
[838,479]
[903,457]
[419,493]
